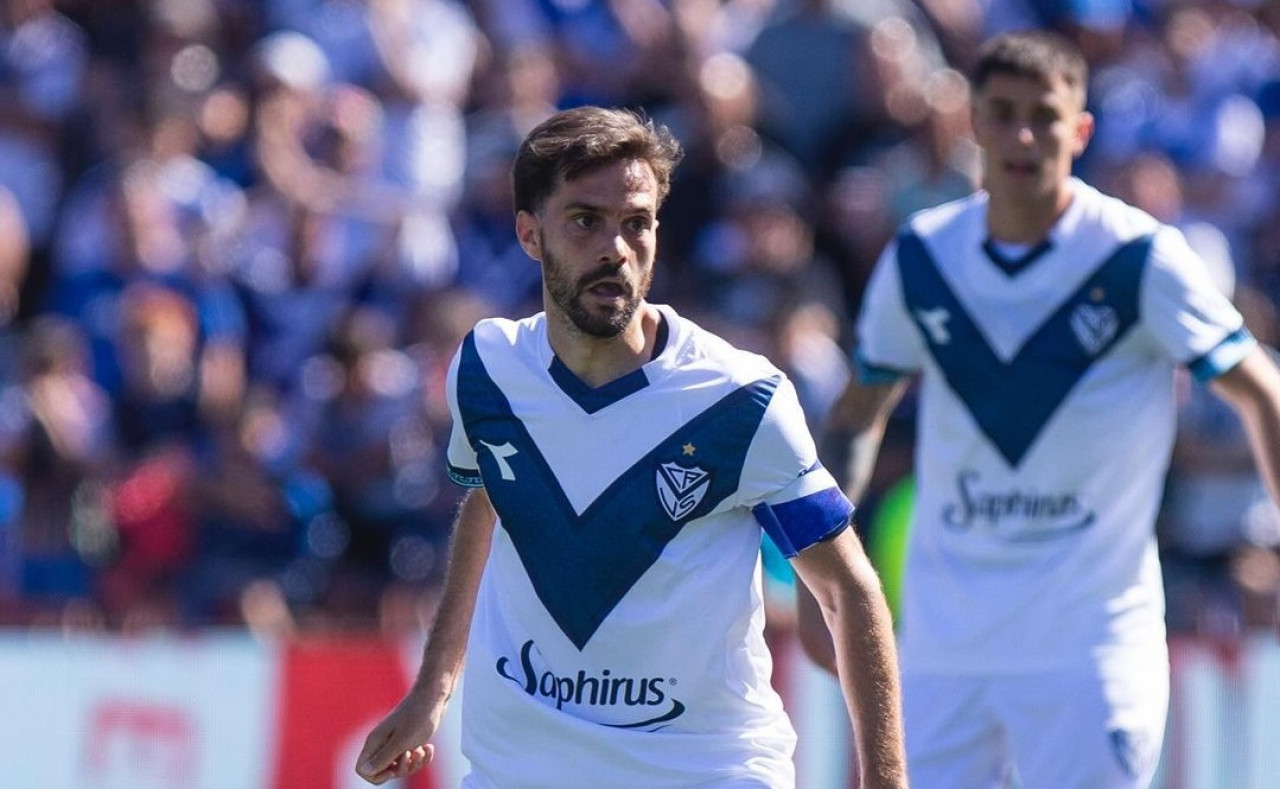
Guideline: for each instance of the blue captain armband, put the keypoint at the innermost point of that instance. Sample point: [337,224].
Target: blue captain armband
[797,524]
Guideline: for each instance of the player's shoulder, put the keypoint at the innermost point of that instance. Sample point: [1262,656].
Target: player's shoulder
[1109,216]
[496,347]
[697,347]
[506,330]
[504,335]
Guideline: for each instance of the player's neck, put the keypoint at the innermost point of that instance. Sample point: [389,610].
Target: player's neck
[597,361]
[1018,220]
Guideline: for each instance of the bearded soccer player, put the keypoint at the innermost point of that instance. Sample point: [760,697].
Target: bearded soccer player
[611,623]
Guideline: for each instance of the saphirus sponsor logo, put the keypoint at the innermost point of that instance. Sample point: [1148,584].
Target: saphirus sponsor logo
[1015,515]
[649,697]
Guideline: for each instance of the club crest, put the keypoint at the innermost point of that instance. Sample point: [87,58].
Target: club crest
[680,488]
[1094,326]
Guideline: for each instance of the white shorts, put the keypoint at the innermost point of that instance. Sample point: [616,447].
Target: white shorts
[1093,727]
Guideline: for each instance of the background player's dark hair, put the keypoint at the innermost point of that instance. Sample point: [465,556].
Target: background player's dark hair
[572,142]
[1037,54]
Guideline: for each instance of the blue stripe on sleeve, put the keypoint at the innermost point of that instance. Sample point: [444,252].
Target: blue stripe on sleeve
[872,374]
[1225,355]
[798,524]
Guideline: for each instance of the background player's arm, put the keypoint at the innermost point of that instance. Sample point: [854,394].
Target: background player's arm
[1252,388]
[399,744]
[849,446]
[854,429]
[849,598]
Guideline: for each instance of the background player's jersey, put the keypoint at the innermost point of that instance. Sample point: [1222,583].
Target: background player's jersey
[1047,417]
[617,639]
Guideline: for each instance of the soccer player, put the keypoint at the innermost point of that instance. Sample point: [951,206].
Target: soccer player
[1045,321]
[611,624]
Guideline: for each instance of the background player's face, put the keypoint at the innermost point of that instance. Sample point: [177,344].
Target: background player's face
[1031,132]
[596,239]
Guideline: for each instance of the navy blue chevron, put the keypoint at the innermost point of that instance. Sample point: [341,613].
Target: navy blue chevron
[581,566]
[1012,401]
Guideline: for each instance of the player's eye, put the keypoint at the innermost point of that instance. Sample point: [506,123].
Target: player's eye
[1044,117]
[639,224]
[1000,112]
[585,221]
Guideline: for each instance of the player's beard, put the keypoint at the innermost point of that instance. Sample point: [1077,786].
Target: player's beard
[567,294]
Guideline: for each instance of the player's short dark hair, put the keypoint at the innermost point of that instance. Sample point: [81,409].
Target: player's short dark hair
[575,141]
[1038,54]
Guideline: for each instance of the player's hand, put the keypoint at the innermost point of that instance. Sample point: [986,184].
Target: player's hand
[398,745]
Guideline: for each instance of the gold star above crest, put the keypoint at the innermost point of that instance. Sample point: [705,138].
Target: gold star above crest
[1098,294]
[689,449]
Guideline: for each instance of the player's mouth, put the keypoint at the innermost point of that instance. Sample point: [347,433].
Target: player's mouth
[608,290]
[1021,169]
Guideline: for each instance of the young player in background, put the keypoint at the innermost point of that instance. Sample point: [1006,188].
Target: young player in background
[1045,321]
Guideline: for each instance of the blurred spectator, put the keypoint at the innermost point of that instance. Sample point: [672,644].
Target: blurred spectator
[15,252]
[757,260]
[147,245]
[497,268]
[42,69]
[717,120]
[808,350]
[365,433]
[416,58]
[151,508]
[815,60]
[58,455]
[1152,182]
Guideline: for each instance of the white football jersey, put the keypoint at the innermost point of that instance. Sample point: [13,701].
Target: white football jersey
[618,635]
[1046,421]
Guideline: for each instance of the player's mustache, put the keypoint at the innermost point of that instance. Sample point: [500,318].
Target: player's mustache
[605,272]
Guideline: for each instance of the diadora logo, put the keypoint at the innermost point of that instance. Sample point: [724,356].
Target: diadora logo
[1094,326]
[500,454]
[681,488]
[934,322]
[646,696]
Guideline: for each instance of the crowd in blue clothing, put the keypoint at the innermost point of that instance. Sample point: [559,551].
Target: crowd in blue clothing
[240,240]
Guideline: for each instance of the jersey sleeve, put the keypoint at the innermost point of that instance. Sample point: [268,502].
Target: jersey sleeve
[792,496]
[463,466]
[889,345]
[1194,323]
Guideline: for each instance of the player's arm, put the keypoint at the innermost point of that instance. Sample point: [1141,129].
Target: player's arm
[849,446]
[399,745]
[1252,388]
[851,602]
[854,428]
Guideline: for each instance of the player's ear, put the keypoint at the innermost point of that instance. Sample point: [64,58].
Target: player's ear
[1085,125]
[528,232]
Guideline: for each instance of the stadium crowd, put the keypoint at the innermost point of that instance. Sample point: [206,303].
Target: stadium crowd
[241,239]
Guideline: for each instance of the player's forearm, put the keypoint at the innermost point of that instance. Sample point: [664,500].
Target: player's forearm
[1253,389]
[855,632]
[446,646]
[864,448]
[1262,423]
[868,667]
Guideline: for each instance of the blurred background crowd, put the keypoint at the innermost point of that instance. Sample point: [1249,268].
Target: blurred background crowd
[240,240]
